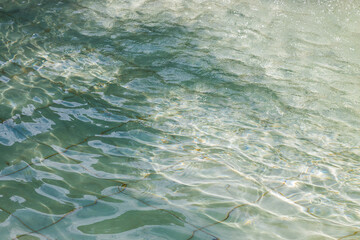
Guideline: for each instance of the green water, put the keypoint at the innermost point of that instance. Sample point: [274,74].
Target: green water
[180,119]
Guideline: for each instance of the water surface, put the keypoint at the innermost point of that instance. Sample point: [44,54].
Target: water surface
[173,119]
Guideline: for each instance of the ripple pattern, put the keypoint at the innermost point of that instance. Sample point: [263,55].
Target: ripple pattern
[173,119]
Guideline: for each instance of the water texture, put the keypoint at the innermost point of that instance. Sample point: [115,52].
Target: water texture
[179,119]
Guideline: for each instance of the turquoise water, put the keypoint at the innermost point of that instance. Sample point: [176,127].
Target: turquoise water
[173,119]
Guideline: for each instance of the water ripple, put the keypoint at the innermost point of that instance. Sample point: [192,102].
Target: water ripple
[179,119]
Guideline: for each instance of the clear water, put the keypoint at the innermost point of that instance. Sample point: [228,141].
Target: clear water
[180,119]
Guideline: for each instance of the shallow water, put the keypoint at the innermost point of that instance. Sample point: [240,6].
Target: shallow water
[173,119]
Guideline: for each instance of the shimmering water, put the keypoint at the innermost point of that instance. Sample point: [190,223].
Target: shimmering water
[180,119]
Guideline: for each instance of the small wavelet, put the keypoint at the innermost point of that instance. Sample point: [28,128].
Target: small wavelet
[179,119]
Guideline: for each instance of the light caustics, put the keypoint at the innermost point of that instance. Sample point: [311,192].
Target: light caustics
[179,119]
